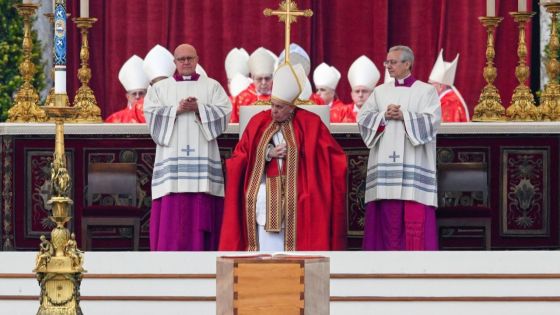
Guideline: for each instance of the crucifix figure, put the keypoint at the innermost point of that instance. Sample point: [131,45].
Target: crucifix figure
[394,156]
[188,150]
[288,13]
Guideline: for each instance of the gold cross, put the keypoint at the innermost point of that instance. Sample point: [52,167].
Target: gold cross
[288,13]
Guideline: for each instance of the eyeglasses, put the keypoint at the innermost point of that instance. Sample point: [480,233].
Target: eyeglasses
[386,63]
[186,58]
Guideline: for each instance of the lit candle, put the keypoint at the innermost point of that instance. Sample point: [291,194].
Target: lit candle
[490,7]
[522,5]
[84,8]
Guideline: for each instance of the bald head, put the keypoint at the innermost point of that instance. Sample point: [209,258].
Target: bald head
[186,59]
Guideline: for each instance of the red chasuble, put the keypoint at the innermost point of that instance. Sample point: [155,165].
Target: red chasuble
[316,99]
[452,109]
[133,114]
[319,177]
[247,97]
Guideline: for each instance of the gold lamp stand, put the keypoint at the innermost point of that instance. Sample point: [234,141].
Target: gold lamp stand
[85,102]
[59,263]
[26,102]
[549,108]
[489,107]
[522,107]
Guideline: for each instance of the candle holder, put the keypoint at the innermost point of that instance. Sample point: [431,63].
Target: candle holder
[549,108]
[489,107]
[522,107]
[50,97]
[26,102]
[85,102]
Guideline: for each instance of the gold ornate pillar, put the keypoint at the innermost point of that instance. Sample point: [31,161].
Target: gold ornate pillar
[59,263]
[549,107]
[489,107]
[26,102]
[522,107]
[85,102]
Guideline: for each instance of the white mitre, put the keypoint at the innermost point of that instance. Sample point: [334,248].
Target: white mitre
[363,72]
[326,76]
[132,74]
[288,83]
[444,72]
[307,90]
[298,55]
[200,70]
[237,61]
[388,78]
[238,84]
[159,63]
[261,62]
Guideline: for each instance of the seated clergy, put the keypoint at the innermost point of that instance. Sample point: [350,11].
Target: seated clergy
[158,64]
[237,62]
[326,79]
[135,82]
[453,106]
[286,179]
[363,76]
[261,66]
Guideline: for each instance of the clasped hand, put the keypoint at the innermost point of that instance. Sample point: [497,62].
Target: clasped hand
[393,112]
[190,104]
[278,152]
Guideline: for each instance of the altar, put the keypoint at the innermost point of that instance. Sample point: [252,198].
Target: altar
[518,157]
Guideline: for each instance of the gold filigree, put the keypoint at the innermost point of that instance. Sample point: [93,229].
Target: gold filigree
[87,109]
[549,108]
[522,106]
[7,149]
[489,107]
[26,102]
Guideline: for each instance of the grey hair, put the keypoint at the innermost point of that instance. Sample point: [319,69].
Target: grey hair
[406,53]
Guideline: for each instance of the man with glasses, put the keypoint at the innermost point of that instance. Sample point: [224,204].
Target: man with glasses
[363,76]
[135,82]
[185,114]
[261,66]
[399,123]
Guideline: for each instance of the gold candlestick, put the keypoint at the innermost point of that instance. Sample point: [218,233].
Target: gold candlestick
[85,102]
[549,108]
[50,97]
[26,102]
[489,107]
[59,263]
[522,106]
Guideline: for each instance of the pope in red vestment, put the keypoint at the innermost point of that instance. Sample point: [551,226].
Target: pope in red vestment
[130,114]
[320,185]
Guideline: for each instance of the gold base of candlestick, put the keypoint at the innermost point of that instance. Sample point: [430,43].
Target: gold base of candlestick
[489,107]
[26,102]
[59,263]
[522,107]
[549,109]
[85,102]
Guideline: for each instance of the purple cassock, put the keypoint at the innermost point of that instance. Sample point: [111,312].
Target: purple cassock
[399,225]
[186,222]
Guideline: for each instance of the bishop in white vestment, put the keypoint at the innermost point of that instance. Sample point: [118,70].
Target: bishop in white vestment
[399,123]
[186,113]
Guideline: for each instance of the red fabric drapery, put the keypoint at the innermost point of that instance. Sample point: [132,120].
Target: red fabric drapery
[338,33]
